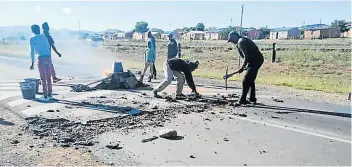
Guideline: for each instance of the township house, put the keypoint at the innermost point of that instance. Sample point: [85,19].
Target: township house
[164,36]
[138,36]
[319,31]
[214,34]
[285,33]
[194,35]
[251,33]
[347,34]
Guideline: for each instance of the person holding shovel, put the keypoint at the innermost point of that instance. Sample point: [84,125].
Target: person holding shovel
[46,33]
[253,60]
[39,45]
[182,70]
[149,58]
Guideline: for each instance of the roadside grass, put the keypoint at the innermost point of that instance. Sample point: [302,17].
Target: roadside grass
[310,70]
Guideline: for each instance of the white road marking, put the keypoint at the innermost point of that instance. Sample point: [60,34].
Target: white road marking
[4,88]
[10,84]
[290,129]
[7,95]
[54,106]
[23,101]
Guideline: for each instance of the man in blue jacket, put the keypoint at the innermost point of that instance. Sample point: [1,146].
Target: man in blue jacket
[149,58]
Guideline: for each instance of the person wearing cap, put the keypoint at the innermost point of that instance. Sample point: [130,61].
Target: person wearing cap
[182,70]
[45,27]
[172,49]
[253,60]
[149,58]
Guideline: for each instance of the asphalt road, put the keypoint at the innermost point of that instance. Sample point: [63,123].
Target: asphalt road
[292,132]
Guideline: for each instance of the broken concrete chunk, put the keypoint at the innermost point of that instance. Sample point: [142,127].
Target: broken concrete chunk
[278,100]
[15,142]
[149,139]
[50,111]
[242,115]
[167,133]
[225,139]
[155,107]
[276,117]
[192,156]
[113,146]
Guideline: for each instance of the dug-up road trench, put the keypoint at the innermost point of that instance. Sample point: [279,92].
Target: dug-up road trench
[98,128]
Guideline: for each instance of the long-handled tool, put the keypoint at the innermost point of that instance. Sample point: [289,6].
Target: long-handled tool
[227,69]
[81,87]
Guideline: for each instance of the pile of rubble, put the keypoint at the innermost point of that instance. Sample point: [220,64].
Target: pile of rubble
[119,80]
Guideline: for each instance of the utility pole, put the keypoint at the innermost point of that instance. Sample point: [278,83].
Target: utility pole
[239,59]
[79,29]
[231,22]
[2,38]
[320,20]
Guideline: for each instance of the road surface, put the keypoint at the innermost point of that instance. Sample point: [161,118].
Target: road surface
[292,132]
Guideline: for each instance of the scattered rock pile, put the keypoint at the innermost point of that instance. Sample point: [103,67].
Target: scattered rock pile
[120,80]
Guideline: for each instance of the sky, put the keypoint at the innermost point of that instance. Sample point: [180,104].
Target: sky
[123,15]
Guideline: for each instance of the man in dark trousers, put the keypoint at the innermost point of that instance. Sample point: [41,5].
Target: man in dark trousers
[175,67]
[46,33]
[253,60]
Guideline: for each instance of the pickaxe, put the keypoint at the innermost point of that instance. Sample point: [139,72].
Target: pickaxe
[227,69]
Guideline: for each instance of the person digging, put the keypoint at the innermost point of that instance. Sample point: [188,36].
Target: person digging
[182,70]
[253,60]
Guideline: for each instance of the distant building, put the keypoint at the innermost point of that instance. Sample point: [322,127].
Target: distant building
[319,31]
[156,35]
[214,35]
[177,35]
[194,35]
[285,33]
[251,33]
[139,36]
[347,34]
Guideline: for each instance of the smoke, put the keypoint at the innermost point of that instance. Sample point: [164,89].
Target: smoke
[79,58]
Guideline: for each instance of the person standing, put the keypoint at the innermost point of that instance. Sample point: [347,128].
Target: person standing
[149,58]
[39,45]
[175,67]
[172,48]
[46,33]
[253,60]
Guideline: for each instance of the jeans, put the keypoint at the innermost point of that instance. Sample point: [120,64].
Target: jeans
[169,73]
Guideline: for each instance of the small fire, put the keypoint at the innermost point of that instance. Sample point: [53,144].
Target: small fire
[107,73]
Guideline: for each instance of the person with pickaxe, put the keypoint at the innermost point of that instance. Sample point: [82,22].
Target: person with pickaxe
[253,60]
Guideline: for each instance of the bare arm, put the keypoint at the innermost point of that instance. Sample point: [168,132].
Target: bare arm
[57,52]
[31,45]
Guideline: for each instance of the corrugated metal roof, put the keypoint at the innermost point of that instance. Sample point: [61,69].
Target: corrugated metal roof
[282,29]
[197,32]
[314,27]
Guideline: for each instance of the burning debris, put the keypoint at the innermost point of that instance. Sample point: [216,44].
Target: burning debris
[117,80]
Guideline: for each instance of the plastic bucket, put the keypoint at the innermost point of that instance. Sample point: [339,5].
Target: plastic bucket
[28,90]
[117,67]
[36,82]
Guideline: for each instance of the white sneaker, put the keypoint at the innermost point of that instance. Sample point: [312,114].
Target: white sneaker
[44,99]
